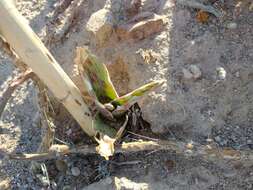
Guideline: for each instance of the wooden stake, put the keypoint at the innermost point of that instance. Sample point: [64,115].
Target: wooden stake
[30,49]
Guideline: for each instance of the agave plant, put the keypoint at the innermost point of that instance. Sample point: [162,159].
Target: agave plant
[103,98]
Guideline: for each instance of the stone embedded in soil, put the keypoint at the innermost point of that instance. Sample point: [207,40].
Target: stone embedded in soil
[193,72]
[141,29]
[100,25]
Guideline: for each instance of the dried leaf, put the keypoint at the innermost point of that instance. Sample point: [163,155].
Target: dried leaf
[105,146]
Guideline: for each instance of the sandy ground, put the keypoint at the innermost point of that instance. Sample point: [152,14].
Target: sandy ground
[184,109]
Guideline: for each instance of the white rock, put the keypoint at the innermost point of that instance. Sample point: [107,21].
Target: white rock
[221,73]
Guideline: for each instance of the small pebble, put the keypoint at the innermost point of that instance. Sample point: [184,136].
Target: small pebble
[237,74]
[221,72]
[75,171]
[193,72]
[231,25]
[189,146]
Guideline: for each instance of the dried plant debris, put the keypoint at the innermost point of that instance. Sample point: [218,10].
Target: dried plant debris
[105,146]
[209,152]
[198,5]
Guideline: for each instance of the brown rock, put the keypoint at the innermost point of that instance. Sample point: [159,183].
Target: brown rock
[142,29]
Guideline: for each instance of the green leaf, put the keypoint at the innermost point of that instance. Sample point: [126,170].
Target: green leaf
[97,74]
[132,97]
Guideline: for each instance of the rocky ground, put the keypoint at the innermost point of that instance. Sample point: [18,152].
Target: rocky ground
[207,66]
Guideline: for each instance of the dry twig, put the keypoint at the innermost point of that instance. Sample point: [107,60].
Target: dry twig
[207,152]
